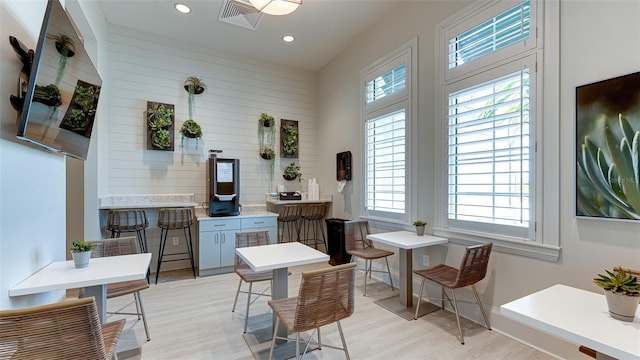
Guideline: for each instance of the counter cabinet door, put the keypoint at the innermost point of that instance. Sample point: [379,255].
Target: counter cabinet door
[209,249]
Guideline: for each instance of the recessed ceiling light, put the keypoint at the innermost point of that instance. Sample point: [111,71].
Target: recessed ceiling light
[182,8]
[288,38]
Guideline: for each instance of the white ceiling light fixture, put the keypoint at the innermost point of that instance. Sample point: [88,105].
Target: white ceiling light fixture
[182,8]
[276,7]
[288,38]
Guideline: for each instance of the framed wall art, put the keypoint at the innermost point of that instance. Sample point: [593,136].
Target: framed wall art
[608,149]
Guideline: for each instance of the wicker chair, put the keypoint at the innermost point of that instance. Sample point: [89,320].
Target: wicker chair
[357,244]
[326,296]
[472,269]
[123,246]
[246,274]
[129,220]
[180,218]
[69,329]
[312,225]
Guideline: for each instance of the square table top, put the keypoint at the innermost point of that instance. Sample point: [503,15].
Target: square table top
[62,275]
[407,239]
[278,256]
[579,316]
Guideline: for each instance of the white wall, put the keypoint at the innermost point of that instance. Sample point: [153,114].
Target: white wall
[145,68]
[32,181]
[593,48]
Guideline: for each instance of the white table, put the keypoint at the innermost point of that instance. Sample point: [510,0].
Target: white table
[279,257]
[580,317]
[405,241]
[62,275]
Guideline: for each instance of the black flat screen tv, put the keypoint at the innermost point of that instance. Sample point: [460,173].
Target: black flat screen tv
[61,96]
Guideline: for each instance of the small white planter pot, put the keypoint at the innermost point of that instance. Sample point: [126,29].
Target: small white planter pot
[420,230]
[81,258]
[621,307]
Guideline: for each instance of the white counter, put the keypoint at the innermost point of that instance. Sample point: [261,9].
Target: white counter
[147,201]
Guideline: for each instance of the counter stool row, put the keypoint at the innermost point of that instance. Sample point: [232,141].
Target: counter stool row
[303,223]
[135,220]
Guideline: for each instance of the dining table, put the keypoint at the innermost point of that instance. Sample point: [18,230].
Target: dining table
[578,316]
[406,242]
[278,258]
[63,275]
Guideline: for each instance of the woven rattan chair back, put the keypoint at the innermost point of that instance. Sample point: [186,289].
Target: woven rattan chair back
[355,235]
[175,218]
[325,296]
[313,211]
[115,246]
[69,329]
[127,220]
[290,213]
[249,238]
[474,265]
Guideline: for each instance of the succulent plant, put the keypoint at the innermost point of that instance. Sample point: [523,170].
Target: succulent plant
[622,282]
[609,174]
[81,246]
[419,223]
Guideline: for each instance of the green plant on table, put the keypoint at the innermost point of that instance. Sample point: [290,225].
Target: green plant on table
[622,282]
[81,246]
[419,223]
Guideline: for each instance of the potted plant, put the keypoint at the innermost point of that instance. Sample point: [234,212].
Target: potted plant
[622,293]
[194,85]
[266,120]
[420,224]
[81,253]
[160,119]
[191,129]
[292,172]
[267,140]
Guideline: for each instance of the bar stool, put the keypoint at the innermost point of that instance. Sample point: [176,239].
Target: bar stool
[175,219]
[129,220]
[289,221]
[312,221]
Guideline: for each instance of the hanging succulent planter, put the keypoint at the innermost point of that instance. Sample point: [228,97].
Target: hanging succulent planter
[190,128]
[267,140]
[292,172]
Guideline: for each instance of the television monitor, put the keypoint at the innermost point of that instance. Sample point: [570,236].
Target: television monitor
[61,98]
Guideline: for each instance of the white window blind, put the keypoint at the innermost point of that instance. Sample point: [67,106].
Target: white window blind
[386,163]
[386,84]
[510,27]
[489,152]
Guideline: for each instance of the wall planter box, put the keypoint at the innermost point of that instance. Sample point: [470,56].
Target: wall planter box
[160,122]
[289,135]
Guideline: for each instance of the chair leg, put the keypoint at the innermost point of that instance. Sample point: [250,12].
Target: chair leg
[297,346]
[455,307]
[389,271]
[344,343]
[187,231]
[246,313]
[484,315]
[163,240]
[442,297]
[367,270]
[319,341]
[138,297]
[415,317]
[273,339]
[235,301]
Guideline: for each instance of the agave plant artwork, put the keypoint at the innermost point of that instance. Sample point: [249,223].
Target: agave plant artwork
[608,169]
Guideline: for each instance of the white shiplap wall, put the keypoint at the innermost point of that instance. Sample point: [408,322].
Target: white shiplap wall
[144,67]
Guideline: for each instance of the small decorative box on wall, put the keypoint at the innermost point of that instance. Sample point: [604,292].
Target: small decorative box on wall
[160,120]
[289,139]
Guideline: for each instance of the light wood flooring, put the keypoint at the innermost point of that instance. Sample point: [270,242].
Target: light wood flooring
[192,319]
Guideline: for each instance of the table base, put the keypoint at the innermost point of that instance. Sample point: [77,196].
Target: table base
[393,304]
[259,342]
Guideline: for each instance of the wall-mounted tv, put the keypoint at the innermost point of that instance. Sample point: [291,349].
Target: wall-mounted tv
[61,96]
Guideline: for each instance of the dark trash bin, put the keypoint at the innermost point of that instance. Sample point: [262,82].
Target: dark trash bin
[335,242]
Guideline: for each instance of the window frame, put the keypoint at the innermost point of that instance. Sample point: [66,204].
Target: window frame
[406,53]
[544,134]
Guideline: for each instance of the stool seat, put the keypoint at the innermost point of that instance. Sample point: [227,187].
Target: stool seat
[175,219]
[129,220]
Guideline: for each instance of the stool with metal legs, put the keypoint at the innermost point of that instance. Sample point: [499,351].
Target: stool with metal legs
[175,219]
[312,225]
[129,220]
[289,223]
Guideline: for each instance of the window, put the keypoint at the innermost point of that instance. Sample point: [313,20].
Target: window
[490,81]
[387,123]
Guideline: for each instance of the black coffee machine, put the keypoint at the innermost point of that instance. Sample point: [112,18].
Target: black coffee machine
[223,186]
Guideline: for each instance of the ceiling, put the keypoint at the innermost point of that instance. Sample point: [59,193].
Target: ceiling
[322,28]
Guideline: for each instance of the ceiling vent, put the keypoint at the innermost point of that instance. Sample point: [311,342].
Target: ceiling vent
[239,13]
